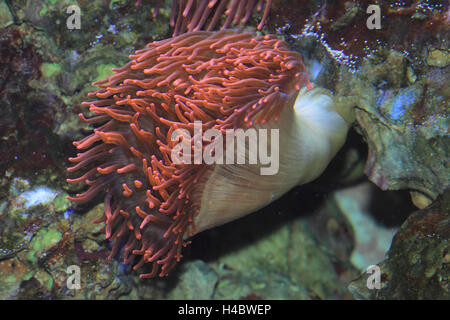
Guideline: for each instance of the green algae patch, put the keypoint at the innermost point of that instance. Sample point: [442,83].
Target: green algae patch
[113,4]
[61,203]
[43,11]
[438,58]
[28,276]
[44,240]
[104,71]
[6,19]
[10,279]
[50,69]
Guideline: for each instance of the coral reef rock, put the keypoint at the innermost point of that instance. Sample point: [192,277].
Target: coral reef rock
[418,262]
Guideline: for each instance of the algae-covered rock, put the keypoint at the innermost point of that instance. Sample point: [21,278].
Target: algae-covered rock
[404,124]
[283,251]
[258,284]
[42,242]
[417,265]
[6,18]
[12,273]
[23,214]
[197,280]
[41,238]
[373,236]
[438,58]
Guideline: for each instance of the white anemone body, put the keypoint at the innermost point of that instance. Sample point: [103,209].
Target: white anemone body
[311,132]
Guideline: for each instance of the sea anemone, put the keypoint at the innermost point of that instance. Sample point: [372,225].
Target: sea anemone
[225,81]
[193,15]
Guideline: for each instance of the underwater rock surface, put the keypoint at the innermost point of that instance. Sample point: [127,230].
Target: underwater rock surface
[406,128]
[418,262]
